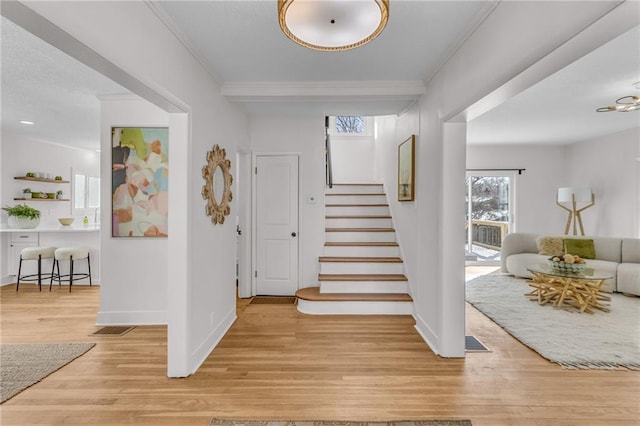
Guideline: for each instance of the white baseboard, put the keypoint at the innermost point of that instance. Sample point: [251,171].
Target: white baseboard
[201,353]
[429,337]
[132,318]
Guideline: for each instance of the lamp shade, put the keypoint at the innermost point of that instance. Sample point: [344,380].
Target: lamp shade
[581,194]
[332,25]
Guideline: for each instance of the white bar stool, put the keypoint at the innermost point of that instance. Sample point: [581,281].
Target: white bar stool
[71,254]
[35,253]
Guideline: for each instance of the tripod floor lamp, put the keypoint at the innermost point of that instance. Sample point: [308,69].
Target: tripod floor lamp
[573,196]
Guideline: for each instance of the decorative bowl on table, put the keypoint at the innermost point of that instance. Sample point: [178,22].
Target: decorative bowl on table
[65,221]
[562,266]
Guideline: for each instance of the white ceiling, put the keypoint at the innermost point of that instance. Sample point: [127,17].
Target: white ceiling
[562,108]
[43,85]
[241,45]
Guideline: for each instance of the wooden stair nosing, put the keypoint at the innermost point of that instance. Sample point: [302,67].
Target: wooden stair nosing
[313,294]
[357,205]
[357,184]
[362,277]
[352,259]
[359,217]
[357,194]
[359,230]
[361,244]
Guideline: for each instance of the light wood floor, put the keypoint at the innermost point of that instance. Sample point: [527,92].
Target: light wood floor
[276,363]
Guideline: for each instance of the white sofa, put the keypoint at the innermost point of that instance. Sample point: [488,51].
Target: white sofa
[619,256]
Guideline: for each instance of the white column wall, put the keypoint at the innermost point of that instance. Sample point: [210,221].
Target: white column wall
[133,290]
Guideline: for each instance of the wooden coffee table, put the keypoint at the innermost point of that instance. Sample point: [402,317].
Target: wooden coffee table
[567,290]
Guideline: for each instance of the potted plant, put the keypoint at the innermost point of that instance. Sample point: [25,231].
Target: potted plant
[59,194]
[58,178]
[31,175]
[22,216]
[26,193]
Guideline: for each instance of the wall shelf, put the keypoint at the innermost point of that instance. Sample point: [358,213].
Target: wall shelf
[35,179]
[42,199]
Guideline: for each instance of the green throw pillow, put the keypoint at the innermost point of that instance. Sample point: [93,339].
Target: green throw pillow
[583,248]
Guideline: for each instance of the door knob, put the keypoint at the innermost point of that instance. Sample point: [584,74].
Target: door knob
[293,234]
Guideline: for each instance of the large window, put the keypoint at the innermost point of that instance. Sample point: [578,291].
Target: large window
[350,125]
[86,193]
[489,215]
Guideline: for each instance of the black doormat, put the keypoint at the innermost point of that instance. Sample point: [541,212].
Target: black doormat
[471,344]
[113,331]
[273,300]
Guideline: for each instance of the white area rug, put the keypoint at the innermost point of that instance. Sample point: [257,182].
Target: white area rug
[603,340]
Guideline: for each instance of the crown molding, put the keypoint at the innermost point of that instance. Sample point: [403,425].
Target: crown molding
[244,91]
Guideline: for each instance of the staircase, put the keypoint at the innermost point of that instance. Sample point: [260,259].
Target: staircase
[361,271]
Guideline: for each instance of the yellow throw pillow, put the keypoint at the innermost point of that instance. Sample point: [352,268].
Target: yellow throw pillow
[581,247]
[550,246]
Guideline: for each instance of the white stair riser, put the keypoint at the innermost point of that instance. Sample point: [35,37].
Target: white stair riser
[355,199]
[356,189]
[358,223]
[356,210]
[359,251]
[360,268]
[359,237]
[355,308]
[363,287]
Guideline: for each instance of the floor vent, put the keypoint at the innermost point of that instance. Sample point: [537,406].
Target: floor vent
[112,331]
[471,344]
[280,300]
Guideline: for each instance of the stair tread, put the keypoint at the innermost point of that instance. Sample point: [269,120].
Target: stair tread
[357,184]
[364,216]
[313,294]
[362,277]
[359,230]
[356,205]
[355,194]
[352,259]
[361,244]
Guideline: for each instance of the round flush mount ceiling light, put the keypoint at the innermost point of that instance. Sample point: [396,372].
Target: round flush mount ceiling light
[332,25]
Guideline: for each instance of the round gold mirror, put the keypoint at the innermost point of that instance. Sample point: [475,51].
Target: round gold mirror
[217,185]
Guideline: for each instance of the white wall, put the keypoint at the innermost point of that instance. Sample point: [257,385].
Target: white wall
[535,189]
[306,137]
[133,290]
[610,165]
[391,132]
[352,159]
[201,267]
[20,155]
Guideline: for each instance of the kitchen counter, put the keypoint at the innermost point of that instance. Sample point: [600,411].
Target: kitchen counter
[52,228]
[13,240]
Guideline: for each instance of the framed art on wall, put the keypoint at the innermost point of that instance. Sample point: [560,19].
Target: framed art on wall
[139,181]
[406,169]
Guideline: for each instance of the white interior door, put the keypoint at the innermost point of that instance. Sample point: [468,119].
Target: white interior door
[276,225]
